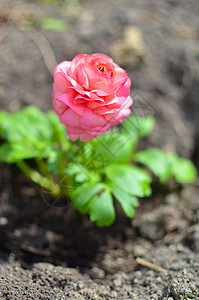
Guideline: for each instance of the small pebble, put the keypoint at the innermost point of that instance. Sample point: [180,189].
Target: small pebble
[3,221]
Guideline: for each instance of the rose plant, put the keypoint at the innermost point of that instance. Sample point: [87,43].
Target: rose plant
[96,163]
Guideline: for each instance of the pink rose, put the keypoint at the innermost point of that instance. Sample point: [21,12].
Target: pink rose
[90,95]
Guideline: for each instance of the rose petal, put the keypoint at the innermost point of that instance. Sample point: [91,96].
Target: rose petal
[75,130]
[61,82]
[68,98]
[70,118]
[59,107]
[124,90]
[77,60]
[73,137]
[102,57]
[83,77]
[106,110]
[85,98]
[90,119]
[85,137]
[64,65]
[73,82]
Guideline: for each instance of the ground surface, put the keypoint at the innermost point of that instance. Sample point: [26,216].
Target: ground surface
[54,253]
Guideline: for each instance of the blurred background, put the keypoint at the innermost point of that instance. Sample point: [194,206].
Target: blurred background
[157,42]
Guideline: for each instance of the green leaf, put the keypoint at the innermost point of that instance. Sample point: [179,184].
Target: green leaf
[82,177]
[138,127]
[73,168]
[84,194]
[29,133]
[59,130]
[14,152]
[54,24]
[29,124]
[127,201]
[183,170]
[114,146]
[54,161]
[102,209]
[82,174]
[8,128]
[131,179]
[3,117]
[156,160]
[164,165]
[36,121]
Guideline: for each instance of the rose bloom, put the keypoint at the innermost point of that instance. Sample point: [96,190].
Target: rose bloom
[90,95]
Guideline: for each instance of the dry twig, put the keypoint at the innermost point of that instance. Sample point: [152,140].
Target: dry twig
[149,265]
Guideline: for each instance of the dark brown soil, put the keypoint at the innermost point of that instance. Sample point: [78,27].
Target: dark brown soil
[53,252]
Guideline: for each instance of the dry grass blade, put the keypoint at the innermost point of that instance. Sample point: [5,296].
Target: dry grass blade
[149,265]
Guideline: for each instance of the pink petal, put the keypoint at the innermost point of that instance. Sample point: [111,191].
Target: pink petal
[61,82]
[128,103]
[85,137]
[70,118]
[77,60]
[106,110]
[56,92]
[101,93]
[75,130]
[59,107]
[124,90]
[73,137]
[63,66]
[125,110]
[73,82]
[68,99]
[102,57]
[85,98]
[94,104]
[90,119]
[109,100]
[82,77]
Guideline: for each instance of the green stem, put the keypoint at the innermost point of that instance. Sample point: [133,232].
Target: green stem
[42,166]
[134,156]
[39,179]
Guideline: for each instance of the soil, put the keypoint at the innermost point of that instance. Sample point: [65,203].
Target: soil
[53,252]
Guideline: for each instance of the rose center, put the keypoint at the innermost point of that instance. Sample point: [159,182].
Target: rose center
[102,69]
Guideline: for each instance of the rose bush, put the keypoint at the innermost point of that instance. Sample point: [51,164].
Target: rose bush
[90,95]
